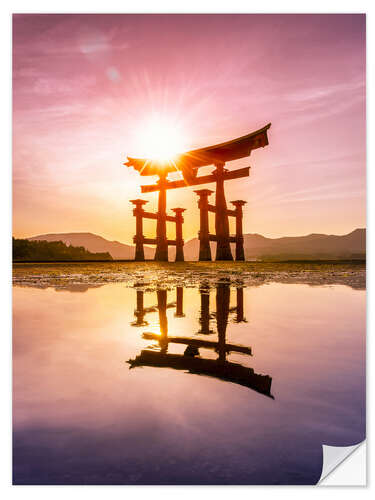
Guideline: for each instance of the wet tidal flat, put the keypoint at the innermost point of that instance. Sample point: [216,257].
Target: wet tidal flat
[352,273]
[195,377]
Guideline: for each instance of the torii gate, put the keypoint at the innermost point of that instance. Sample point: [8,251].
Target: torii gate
[189,163]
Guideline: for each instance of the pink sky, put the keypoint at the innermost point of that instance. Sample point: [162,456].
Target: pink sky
[84,84]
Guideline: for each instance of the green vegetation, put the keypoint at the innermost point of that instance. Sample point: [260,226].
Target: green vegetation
[44,251]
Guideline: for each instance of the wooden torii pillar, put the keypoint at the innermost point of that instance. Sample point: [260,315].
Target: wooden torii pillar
[162,306]
[138,239]
[240,252]
[179,240]
[179,302]
[140,311]
[161,253]
[222,238]
[223,251]
[204,318]
[161,241]
[204,233]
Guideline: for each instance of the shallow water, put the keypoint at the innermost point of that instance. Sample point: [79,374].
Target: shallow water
[227,385]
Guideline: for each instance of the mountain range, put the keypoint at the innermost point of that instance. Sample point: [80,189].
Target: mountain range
[312,246]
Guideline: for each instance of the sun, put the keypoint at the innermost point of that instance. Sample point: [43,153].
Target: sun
[160,138]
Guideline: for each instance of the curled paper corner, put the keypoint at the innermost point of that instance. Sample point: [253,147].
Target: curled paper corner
[355,470]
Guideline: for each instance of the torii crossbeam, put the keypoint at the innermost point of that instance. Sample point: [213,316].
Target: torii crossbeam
[188,164]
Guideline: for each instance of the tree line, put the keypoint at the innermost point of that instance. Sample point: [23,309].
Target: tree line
[39,250]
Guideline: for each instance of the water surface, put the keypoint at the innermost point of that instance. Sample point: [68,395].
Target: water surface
[201,385]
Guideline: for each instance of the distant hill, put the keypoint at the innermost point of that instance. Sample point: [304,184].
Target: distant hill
[352,245]
[313,246]
[43,251]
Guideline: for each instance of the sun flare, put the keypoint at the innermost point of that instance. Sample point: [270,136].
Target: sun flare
[160,138]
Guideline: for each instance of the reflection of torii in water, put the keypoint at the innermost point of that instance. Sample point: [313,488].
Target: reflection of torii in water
[141,311]
[206,316]
[218,368]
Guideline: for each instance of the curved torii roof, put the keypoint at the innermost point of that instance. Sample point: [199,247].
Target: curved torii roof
[190,161]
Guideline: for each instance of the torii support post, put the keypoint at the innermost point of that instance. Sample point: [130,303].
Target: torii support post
[161,253]
[240,252]
[223,251]
[138,239]
[179,240]
[140,312]
[222,315]
[204,318]
[204,237]
[179,302]
[140,306]
[239,309]
[163,320]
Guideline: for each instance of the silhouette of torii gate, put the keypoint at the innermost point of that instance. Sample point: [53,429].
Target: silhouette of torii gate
[188,164]
[190,361]
[162,306]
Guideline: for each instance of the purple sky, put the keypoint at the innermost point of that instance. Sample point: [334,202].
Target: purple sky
[84,84]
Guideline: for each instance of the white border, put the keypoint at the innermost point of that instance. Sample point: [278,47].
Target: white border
[198,6]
